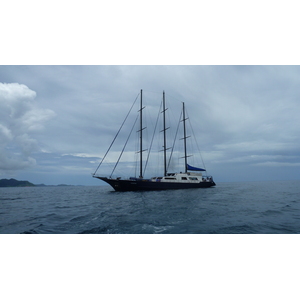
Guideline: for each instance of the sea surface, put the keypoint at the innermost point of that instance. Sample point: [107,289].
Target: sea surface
[229,208]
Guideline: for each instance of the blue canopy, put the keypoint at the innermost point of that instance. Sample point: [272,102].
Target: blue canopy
[190,168]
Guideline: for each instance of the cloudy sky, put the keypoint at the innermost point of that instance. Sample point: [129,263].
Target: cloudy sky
[58,121]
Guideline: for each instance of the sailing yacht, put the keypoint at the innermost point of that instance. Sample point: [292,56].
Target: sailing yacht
[190,177]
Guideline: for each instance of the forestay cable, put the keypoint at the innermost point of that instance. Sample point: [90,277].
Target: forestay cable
[116,135]
[124,147]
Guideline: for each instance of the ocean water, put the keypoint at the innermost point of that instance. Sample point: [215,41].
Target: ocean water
[228,208]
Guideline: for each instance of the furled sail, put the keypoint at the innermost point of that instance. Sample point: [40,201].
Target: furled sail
[191,168]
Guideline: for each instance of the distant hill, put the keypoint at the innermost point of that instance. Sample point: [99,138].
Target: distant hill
[14,183]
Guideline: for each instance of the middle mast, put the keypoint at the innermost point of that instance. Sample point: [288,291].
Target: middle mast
[165,135]
[141,135]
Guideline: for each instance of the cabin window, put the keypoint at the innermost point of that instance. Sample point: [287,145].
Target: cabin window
[193,178]
[183,178]
[172,178]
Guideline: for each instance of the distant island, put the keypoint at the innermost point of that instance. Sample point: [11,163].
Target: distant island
[14,183]
[21,183]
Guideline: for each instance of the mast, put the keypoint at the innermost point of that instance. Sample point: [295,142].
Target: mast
[165,143]
[184,138]
[141,135]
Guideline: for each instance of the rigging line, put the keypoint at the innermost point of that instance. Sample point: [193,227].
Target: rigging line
[116,135]
[174,140]
[152,138]
[197,144]
[124,147]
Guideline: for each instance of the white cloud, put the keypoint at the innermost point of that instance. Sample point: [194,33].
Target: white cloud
[19,118]
[84,155]
[17,162]
[5,134]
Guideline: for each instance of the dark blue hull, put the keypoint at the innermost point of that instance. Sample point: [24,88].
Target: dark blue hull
[147,185]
